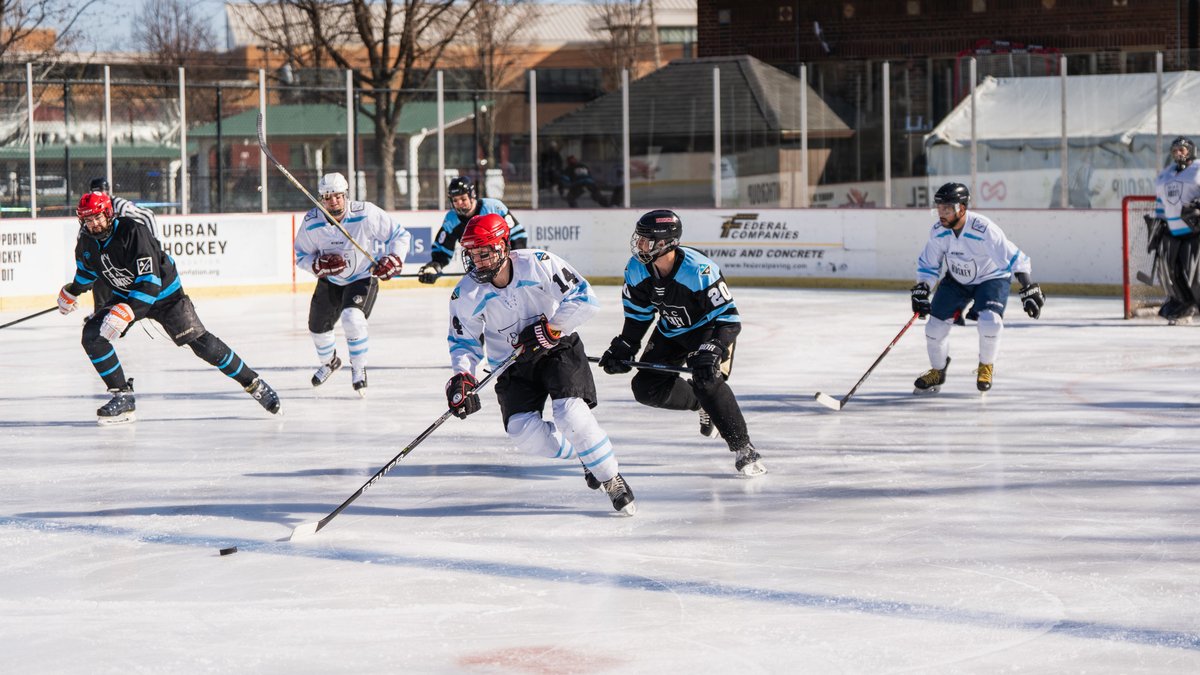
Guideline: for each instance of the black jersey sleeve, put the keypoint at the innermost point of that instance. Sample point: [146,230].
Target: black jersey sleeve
[85,276]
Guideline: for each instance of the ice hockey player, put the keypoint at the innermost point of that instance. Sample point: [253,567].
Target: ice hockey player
[980,264]
[465,205]
[144,283]
[122,208]
[1175,231]
[698,324]
[534,301]
[347,279]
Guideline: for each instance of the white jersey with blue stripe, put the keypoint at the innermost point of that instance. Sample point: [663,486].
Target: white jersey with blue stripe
[542,284]
[1172,190]
[979,253]
[370,226]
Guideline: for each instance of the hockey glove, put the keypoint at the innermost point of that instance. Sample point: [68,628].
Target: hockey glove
[327,264]
[614,358]
[66,301]
[705,363]
[920,300]
[117,320]
[1033,299]
[1190,214]
[537,338]
[461,396]
[388,266]
[429,273]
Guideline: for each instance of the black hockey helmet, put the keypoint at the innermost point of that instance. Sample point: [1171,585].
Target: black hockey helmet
[1186,143]
[99,185]
[662,228]
[462,185]
[952,193]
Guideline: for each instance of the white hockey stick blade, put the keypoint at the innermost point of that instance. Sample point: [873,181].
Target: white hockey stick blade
[828,401]
[305,530]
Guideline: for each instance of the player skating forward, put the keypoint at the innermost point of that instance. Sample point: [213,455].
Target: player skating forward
[698,323]
[465,205]
[532,300]
[347,280]
[122,208]
[980,264]
[1175,230]
[123,251]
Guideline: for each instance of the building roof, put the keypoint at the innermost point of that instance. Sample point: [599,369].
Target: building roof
[547,24]
[677,100]
[322,119]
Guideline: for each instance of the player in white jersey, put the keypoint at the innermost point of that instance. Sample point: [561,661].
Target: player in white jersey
[980,264]
[532,300]
[347,279]
[1174,230]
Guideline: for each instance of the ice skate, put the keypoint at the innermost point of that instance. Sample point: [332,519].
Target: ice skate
[592,482]
[326,370]
[360,381]
[706,426]
[983,377]
[120,408]
[264,394]
[933,379]
[621,495]
[748,462]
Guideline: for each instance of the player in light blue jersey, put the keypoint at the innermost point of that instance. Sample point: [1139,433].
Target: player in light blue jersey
[980,264]
[465,205]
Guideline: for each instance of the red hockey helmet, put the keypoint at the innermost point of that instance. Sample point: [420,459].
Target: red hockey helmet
[485,246]
[91,205]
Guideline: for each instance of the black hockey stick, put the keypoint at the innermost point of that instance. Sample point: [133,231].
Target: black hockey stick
[642,365]
[262,144]
[833,403]
[312,528]
[31,316]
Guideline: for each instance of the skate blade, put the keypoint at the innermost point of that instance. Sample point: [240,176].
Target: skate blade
[123,418]
[828,401]
[708,433]
[753,470]
[628,510]
[362,393]
[932,390]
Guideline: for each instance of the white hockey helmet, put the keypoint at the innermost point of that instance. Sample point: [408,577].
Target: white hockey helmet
[333,183]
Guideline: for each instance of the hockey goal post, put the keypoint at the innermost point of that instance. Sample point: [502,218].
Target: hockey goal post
[1143,289]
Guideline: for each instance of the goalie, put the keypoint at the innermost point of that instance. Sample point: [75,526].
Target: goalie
[1174,231]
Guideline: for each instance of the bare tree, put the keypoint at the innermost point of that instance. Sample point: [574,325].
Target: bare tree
[392,46]
[628,32]
[173,32]
[495,29]
[36,30]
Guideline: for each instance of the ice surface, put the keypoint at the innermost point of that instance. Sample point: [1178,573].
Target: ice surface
[1053,526]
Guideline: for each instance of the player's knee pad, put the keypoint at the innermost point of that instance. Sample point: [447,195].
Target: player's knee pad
[208,347]
[354,322]
[536,436]
[575,419]
[990,323]
[938,329]
[652,389]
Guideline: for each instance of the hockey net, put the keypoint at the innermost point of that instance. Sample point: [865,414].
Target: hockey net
[1143,290]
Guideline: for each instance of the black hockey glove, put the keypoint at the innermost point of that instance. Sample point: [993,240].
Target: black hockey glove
[614,358]
[920,299]
[705,363]
[1033,299]
[429,273]
[537,338]
[1190,214]
[461,396]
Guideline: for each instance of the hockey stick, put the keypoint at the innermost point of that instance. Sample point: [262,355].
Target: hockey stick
[833,403]
[642,365]
[262,144]
[31,316]
[312,528]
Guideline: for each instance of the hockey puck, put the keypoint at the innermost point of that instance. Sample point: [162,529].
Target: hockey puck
[228,551]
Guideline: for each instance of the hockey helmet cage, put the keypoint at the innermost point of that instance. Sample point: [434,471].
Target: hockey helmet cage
[662,228]
[1183,142]
[333,183]
[487,231]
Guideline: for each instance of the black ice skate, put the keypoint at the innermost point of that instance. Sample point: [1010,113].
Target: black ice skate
[326,370]
[119,409]
[621,495]
[748,462]
[592,482]
[264,394]
[983,377]
[707,429]
[931,382]
[360,381]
